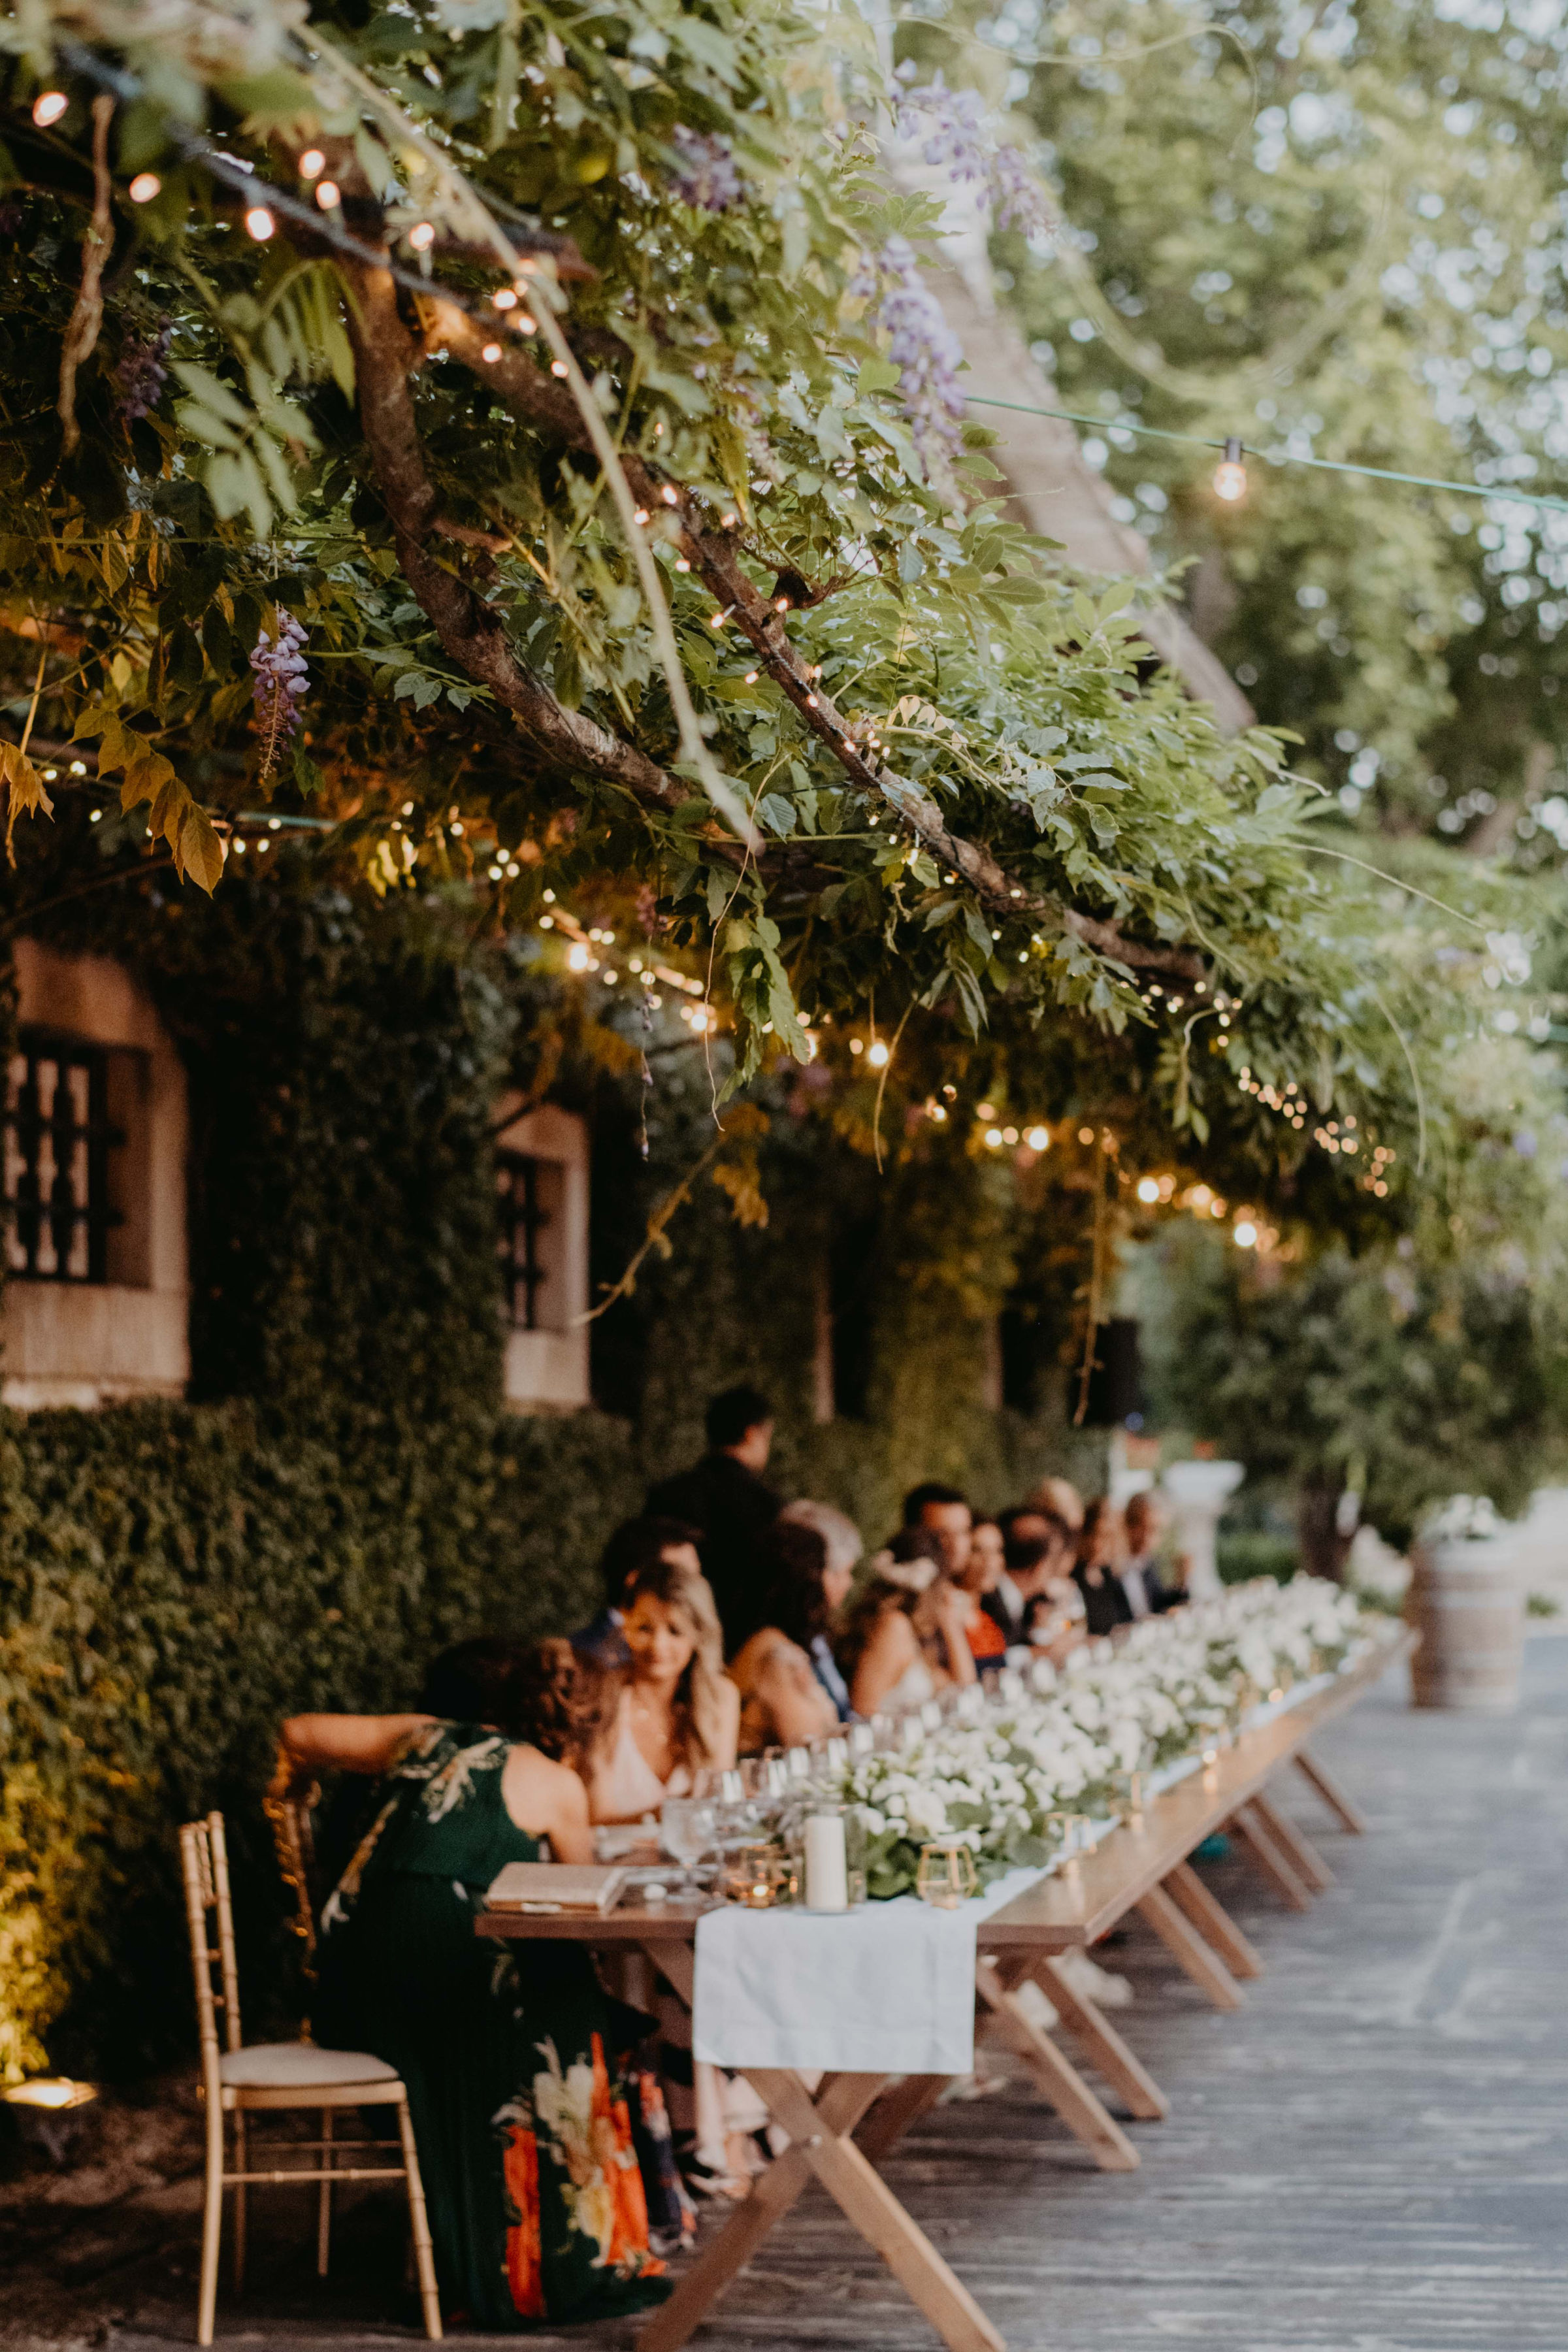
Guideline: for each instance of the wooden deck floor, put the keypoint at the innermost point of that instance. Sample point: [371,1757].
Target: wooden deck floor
[1371,2157]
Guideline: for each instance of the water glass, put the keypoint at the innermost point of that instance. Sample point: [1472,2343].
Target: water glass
[687,1827]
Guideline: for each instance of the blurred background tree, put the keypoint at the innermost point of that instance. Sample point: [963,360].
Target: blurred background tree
[1335,231]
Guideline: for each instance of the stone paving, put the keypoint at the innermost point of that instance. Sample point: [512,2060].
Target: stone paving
[1371,2157]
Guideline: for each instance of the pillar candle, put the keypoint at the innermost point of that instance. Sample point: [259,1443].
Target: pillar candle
[827,1867]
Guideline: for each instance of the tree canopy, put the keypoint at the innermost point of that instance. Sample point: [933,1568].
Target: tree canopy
[1338,234]
[520,443]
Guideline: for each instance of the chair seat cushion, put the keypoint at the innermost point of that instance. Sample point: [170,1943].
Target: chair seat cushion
[300,2065]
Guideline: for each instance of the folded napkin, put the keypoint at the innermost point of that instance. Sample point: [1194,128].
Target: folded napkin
[887,1988]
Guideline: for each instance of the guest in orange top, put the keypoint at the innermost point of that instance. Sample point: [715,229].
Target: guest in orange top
[981,1574]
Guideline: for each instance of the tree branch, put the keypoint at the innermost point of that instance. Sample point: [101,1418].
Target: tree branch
[715,557]
[385,356]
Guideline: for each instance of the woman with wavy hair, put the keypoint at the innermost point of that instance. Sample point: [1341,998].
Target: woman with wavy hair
[907,1635]
[534,2117]
[678,1714]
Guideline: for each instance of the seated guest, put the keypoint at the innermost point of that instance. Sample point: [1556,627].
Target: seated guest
[845,1546]
[942,1512]
[1141,1580]
[538,2212]
[980,1578]
[726,1500]
[784,1700]
[1061,1498]
[1037,1551]
[679,1713]
[907,1635]
[634,1546]
[1097,1572]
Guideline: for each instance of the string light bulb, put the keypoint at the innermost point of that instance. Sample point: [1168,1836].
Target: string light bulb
[1230,474]
[49,107]
[312,163]
[422,237]
[329,195]
[259,223]
[145,187]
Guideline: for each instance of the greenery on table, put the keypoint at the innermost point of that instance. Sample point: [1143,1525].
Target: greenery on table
[1007,1780]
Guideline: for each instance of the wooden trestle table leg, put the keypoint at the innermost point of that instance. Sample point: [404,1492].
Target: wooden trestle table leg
[1271,1859]
[1055,2074]
[910,2098]
[1301,1853]
[1332,1795]
[1187,1948]
[1212,1920]
[820,2145]
[1110,2054]
[863,2198]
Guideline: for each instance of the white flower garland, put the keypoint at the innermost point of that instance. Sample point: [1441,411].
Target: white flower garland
[1002,1781]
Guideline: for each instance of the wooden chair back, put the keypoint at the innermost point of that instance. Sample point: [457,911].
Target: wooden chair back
[203,1861]
[292,1821]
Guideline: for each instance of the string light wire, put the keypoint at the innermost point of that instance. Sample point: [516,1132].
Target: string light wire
[1322,465]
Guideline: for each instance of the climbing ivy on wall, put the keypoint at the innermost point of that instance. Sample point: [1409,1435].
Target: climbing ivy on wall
[345,1493]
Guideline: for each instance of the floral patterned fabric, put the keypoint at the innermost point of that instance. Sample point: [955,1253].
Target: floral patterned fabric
[535,2118]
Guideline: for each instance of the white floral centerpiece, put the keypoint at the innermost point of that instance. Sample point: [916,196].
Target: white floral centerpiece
[1464,1518]
[1002,1783]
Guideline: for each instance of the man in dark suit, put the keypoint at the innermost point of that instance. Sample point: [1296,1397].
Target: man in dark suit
[1036,1546]
[725,1498]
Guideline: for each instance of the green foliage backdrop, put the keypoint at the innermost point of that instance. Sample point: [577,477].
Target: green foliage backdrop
[345,1493]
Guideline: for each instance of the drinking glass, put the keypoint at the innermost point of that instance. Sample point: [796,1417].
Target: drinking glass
[687,1827]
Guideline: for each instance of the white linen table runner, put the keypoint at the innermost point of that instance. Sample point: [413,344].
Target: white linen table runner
[887,1988]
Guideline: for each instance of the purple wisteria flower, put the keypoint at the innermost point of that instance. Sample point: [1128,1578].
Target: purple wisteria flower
[1017,199]
[141,371]
[706,179]
[953,123]
[282,681]
[925,350]
[958,131]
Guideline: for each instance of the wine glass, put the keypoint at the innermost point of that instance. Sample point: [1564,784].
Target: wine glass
[687,1827]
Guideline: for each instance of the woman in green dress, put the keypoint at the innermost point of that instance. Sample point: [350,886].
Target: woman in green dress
[527,2104]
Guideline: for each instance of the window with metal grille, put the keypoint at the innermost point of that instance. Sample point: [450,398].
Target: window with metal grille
[57,1140]
[528,1191]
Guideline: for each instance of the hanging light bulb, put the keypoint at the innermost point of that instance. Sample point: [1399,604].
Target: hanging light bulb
[259,223]
[1230,474]
[49,107]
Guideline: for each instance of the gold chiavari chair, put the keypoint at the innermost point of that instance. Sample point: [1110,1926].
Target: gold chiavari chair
[270,2077]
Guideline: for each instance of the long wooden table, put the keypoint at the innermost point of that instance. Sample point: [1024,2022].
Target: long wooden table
[1141,1868]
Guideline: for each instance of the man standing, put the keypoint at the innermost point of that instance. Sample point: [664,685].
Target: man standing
[726,1500]
[943,1513]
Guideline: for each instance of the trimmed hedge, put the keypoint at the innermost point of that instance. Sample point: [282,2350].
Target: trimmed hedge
[173,1579]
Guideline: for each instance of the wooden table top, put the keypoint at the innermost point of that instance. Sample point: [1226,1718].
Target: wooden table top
[1072,1906]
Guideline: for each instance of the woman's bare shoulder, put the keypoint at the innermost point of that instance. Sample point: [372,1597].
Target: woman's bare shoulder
[536,1788]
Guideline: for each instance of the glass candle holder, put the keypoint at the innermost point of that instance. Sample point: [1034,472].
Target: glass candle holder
[827,1842]
[759,1876]
[945,1875]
